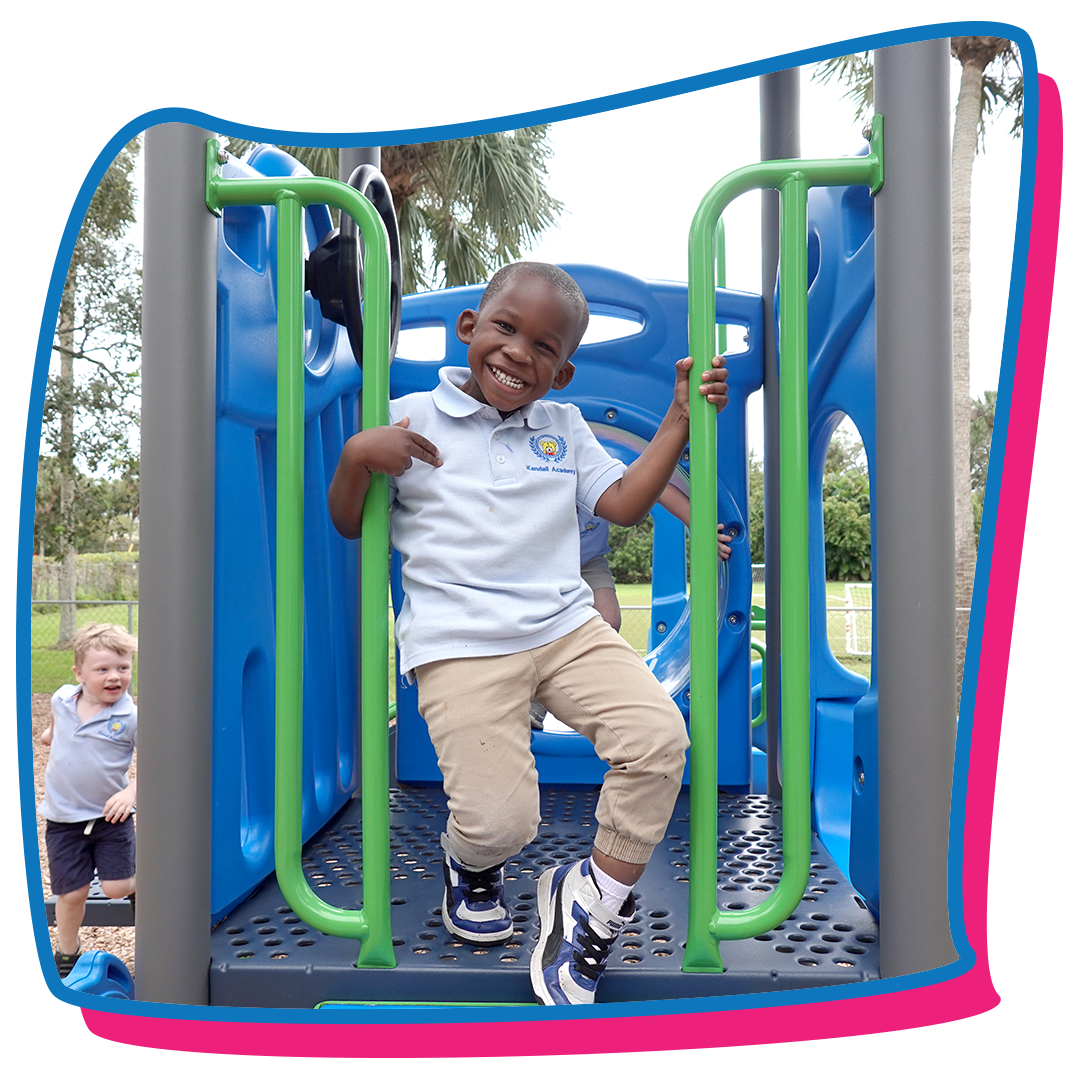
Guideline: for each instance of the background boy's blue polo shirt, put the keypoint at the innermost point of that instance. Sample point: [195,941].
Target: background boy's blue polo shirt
[88,762]
[592,536]
[491,559]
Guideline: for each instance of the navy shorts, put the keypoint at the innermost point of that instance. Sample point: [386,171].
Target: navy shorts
[74,856]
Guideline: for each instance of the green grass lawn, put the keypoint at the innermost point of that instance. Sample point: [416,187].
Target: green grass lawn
[51,667]
[834,620]
[635,626]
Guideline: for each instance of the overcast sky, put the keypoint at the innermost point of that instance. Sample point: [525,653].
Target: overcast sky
[631,179]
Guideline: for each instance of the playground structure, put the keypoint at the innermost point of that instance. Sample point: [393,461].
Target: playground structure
[226,812]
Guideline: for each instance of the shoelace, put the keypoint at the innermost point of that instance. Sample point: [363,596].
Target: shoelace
[481,883]
[592,952]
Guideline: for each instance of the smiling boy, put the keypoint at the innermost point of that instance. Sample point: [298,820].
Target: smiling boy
[496,613]
[88,796]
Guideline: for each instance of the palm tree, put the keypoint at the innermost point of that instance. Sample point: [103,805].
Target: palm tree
[464,206]
[991,83]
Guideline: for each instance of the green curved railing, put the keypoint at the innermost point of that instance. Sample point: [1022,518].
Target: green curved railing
[290,194]
[707,924]
[757,647]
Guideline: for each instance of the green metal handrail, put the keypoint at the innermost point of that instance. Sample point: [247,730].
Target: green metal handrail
[371,924]
[756,646]
[707,924]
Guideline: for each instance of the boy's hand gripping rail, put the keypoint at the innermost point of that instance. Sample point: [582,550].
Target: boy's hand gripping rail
[707,924]
[371,925]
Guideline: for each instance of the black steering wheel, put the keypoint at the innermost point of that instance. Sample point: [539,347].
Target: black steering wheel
[335,270]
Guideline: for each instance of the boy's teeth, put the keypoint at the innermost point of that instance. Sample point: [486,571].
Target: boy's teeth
[507,380]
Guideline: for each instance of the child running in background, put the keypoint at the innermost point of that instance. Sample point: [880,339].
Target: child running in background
[89,799]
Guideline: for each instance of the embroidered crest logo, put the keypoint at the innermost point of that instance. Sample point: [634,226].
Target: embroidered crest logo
[551,448]
[116,727]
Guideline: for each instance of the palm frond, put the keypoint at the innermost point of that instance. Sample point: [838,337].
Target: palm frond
[461,252]
[464,206]
[856,72]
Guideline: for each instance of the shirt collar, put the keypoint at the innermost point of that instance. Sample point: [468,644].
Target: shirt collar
[122,706]
[451,399]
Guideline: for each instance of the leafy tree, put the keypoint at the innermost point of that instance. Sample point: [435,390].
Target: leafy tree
[630,558]
[845,505]
[756,516]
[845,453]
[464,206]
[991,84]
[104,510]
[90,408]
[982,431]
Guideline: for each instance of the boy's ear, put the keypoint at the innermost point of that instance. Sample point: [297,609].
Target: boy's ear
[563,376]
[466,326]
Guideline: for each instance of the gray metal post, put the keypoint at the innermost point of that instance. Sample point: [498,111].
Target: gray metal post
[914,582]
[351,157]
[177,571]
[778,95]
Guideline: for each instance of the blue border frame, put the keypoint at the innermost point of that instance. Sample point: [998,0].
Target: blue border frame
[108,82]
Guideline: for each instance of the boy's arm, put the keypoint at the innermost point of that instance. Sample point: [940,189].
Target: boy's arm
[629,499]
[675,502]
[387,450]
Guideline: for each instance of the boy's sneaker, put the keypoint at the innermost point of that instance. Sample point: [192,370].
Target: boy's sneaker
[576,933]
[66,961]
[474,908]
[537,712]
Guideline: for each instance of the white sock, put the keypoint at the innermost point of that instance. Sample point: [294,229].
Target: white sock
[613,893]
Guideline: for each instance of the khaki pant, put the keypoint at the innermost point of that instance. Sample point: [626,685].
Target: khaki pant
[477,713]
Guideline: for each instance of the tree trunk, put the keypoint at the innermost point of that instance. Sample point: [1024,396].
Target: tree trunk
[66,462]
[974,55]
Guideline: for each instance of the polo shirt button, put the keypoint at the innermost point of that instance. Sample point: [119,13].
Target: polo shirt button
[500,459]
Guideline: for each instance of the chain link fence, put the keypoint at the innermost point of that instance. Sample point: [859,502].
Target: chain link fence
[100,580]
[849,614]
[849,624]
[52,659]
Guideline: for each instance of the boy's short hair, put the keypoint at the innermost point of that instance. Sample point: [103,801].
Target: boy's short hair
[555,276]
[103,636]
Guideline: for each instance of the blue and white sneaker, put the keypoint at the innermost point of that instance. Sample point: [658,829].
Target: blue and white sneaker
[474,907]
[576,933]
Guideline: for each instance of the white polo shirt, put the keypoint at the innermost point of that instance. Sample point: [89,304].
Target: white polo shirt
[489,540]
[88,761]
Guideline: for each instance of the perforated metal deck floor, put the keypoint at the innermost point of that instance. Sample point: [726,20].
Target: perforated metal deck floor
[265,956]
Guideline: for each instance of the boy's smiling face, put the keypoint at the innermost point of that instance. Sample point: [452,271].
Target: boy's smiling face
[519,343]
[105,675]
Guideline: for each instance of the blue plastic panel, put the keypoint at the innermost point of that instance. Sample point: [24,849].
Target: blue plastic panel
[244,566]
[841,383]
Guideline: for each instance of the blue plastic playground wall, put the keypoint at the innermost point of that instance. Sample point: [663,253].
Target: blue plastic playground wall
[841,382]
[244,560]
[623,388]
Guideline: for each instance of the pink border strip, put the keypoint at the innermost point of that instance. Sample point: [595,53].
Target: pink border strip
[1020,998]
